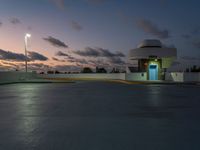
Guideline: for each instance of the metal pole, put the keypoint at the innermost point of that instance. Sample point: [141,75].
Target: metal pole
[26,52]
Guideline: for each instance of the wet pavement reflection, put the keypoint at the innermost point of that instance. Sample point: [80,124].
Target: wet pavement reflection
[99,115]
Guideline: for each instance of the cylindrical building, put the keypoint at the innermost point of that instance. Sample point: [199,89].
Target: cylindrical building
[152,57]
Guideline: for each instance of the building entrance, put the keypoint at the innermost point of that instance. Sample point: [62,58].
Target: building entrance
[153,72]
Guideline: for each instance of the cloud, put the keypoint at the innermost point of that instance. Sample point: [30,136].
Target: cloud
[55,42]
[20,66]
[100,57]
[149,27]
[58,60]
[36,56]
[15,21]
[39,67]
[76,26]
[4,67]
[11,56]
[99,62]
[78,61]
[116,61]
[67,68]
[90,52]
[7,55]
[12,64]
[60,53]
[98,52]
[109,62]
[59,3]
[1,23]
[82,61]
[107,53]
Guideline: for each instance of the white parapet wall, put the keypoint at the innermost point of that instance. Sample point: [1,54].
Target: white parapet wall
[192,76]
[14,77]
[174,76]
[103,76]
[136,76]
[183,76]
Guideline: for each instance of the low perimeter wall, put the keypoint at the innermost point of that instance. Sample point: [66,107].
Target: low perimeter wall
[12,77]
[136,76]
[103,76]
[120,76]
[183,76]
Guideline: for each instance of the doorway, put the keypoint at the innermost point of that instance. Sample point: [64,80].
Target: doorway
[153,72]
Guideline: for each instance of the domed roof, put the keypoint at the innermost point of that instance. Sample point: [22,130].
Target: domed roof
[150,43]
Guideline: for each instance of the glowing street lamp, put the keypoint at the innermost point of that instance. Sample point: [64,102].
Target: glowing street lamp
[26,39]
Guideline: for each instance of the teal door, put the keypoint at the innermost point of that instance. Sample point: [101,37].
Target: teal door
[153,72]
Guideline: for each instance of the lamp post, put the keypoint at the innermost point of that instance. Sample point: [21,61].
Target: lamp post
[26,38]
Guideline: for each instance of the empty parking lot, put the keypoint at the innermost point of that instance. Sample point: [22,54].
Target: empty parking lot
[99,116]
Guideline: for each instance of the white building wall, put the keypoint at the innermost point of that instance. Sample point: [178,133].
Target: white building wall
[183,76]
[102,76]
[11,77]
[174,76]
[192,77]
[136,76]
[118,76]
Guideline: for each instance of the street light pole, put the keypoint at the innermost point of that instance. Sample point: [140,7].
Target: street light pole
[26,38]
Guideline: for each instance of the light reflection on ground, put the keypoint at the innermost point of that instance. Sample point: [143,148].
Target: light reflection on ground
[99,115]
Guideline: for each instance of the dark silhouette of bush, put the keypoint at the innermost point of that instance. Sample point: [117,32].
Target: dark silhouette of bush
[57,72]
[193,69]
[87,70]
[101,70]
[115,70]
[50,72]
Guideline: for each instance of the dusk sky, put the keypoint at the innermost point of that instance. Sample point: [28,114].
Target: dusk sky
[68,34]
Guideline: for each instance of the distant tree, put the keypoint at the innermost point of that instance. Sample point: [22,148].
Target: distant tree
[101,70]
[57,72]
[115,70]
[124,71]
[50,72]
[97,69]
[187,70]
[41,72]
[87,70]
[193,69]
